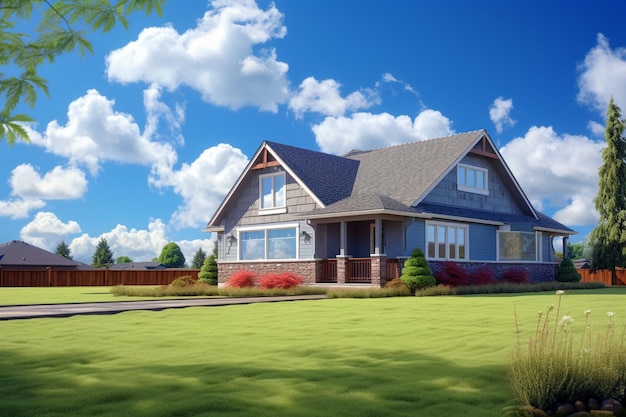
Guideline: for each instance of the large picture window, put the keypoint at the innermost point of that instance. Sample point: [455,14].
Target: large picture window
[446,241]
[272,191]
[472,179]
[517,246]
[279,243]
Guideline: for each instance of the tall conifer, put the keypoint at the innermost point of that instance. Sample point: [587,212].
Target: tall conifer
[609,236]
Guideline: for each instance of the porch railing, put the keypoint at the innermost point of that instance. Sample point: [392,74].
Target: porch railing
[329,270]
[359,270]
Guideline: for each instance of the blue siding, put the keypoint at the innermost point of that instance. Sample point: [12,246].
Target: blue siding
[482,242]
[415,237]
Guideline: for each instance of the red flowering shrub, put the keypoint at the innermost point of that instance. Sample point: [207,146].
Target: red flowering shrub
[485,275]
[285,280]
[515,276]
[451,274]
[241,279]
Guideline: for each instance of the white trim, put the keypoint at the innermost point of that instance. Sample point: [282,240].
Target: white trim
[446,225]
[472,169]
[265,228]
[272,175]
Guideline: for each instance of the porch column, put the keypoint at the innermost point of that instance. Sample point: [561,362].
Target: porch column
[342,258]
[378,236]
[342,269]
[379,270]
[565,245]
[343,239]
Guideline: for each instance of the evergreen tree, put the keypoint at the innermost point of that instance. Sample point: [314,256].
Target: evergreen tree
[52,35]
[63,250]
[198,259]
[102,257]
[208,272]
[171,256]
[609,236]
[416,273]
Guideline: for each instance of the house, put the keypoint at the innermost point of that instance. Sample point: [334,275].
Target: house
[355,218]
[20,255]
[137,266]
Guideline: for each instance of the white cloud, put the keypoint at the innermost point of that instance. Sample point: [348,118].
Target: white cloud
[203,183]
[46,231]
[557,170]
[597,129]
[18,208]
[323,97]
[500,113]
[139,245]
[369,131]
[95,133]
[602,75]
[390,79]
[219,57]
[58,184]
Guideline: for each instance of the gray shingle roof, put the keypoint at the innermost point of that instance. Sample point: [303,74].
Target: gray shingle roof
[20,254]
[329,177]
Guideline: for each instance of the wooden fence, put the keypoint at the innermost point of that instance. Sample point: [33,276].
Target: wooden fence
[603,276]
[94,277]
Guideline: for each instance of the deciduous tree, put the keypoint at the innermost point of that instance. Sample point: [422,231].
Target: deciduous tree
[123,259]
[171,256]
[61,27]
[609,236]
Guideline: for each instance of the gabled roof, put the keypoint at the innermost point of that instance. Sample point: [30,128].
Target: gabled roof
[20,254]
[392,180]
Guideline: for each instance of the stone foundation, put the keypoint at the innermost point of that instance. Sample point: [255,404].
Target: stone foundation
[307,269]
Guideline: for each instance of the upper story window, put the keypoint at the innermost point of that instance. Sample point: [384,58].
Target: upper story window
[272,191]
[472,179]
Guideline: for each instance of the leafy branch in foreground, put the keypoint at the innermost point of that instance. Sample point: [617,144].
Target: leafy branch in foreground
[23,52]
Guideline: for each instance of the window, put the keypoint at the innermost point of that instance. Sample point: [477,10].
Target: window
[272,191]
[446,241]
[278,243]
[472,179]
[517,246]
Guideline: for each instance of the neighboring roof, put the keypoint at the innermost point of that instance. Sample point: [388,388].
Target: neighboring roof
[20,254]
[138,266]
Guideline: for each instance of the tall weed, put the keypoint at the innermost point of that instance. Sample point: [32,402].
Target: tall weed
[560,363]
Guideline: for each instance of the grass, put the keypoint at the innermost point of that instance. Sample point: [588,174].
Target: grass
[402,356]
[60,295]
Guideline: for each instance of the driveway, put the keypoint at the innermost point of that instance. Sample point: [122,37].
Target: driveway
[66,310]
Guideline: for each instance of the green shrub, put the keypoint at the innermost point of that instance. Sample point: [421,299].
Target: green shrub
[416,273]
[434,290]
[184,281]
[567,272]
[208,272]
[395,283]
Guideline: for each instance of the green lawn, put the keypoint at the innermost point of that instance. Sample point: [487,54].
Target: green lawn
[411,356]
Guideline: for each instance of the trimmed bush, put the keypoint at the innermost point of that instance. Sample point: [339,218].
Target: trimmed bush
[515,276]
[567,272]
[184,281]
[416,273]
[285,280]
[208,272]
[451,274]
[241,279]
[395,283]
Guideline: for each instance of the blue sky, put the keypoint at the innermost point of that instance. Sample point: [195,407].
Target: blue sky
[140,142]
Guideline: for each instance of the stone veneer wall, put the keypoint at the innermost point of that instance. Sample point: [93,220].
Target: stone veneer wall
[537,272]
[308,269]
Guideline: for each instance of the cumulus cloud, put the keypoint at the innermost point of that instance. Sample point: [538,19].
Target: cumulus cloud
[324,97]
[602,75]
[557,171]
[58,184]
[338,135]
[19,208]
[500,113]
[46,231]
[139,245]
[219,58]
[202,183]
[95,133]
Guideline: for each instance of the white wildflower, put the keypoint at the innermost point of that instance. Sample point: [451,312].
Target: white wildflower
[610,314]
[560,292]
[587,312]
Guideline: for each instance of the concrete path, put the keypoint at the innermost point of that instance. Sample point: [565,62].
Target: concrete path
[66,310]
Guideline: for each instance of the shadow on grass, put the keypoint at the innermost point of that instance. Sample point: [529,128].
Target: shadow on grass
[398,384]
